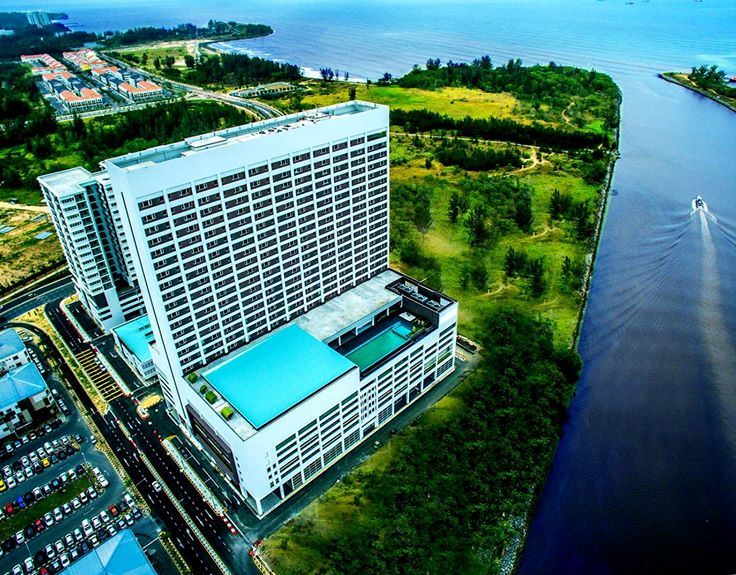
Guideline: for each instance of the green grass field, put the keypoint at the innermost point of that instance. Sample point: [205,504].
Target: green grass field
[454,102]
[21,254]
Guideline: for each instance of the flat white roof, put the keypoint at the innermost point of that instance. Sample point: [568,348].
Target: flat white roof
[66,182]
[202,142]
[349,307]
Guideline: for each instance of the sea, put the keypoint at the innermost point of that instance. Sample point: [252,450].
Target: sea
[644,478]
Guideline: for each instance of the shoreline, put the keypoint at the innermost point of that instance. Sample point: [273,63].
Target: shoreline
[601,213]
[670,77]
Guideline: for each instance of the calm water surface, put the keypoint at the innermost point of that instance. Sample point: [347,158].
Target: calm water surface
[644,479]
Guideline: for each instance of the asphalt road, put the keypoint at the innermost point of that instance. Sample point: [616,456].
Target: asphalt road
[145,438]
[31,299]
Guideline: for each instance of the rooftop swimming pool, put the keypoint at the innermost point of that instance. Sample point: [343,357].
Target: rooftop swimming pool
[394,335]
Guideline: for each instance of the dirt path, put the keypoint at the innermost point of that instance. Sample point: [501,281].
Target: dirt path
[27,208]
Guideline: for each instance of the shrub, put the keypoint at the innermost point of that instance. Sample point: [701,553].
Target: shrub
[211,397]
[202,388]
[227,412]
[192,377]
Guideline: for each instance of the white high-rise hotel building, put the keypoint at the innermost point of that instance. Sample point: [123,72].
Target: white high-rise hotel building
[282,338]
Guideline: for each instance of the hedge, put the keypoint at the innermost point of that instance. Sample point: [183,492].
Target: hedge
[211,396]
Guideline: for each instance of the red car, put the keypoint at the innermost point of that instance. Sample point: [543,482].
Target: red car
[39,526]
[9,508]
[113,510]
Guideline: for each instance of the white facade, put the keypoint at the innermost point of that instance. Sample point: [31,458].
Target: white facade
[240,231]
[85,222]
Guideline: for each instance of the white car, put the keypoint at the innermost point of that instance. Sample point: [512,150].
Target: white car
[20,538]
[104,516]
[64,558]
[87,528]
[58,515]
[156,486]
[103,481]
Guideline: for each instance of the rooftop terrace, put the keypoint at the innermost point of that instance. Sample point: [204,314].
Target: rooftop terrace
[270,377]
[202,142]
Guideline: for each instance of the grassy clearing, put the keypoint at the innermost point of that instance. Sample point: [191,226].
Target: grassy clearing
[177,50]
[454,102]
[21,254]
[20,520]
[447,242]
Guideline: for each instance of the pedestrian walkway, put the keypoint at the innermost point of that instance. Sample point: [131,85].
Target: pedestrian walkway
[105,385]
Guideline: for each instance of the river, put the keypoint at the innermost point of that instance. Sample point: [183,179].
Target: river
[644,479]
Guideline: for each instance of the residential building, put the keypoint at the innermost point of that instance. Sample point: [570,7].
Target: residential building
[13,351]
[24,398]
[85,215]
[42,63]
[38,19]
[281,338]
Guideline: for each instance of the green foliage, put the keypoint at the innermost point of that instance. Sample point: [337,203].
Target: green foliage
[712,78]
[422,212]
[441,505]
[518,264]
[560,205]
[476,158]
[227,412]
[523,214]
[214,30]
[498,129]
[476,224]
[572,273]
[189,61]
[458,205]
[554,86]
[211,397]
[239,70]
[203,388]
[192,377]
[351,93]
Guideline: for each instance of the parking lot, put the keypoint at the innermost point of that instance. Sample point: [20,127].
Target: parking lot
[55,486]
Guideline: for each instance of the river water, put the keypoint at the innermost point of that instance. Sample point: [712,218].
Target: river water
[644,479]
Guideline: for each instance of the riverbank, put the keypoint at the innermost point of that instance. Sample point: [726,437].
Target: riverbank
[681,80]
[437,248]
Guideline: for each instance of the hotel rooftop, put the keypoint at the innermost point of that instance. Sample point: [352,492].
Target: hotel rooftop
[307,354]
[237,134]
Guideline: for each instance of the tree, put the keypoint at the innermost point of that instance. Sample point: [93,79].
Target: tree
[78,128]
[144,58]
[157,63]
[479,274]
[351,93]
[385,79]
[189,61]
[559,205]
[523,215]
[537,283]
[169,61]
[458,205]
[423,212]
[475,223]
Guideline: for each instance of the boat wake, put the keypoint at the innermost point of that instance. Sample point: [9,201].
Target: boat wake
[699,206]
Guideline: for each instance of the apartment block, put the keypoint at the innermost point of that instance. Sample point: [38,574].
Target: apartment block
[279,334]
[84,211]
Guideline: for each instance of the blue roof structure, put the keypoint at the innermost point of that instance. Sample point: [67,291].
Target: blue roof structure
[10,343]
[119,555]
[272,376]
[136,335]
[20,383]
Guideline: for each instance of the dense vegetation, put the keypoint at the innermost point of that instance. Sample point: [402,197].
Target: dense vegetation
[498,129]
[444,503]
[23,114]
[56,38]
[40,145]
[215,30]
[712,78]
[475,158]
[226,69]
[552,85]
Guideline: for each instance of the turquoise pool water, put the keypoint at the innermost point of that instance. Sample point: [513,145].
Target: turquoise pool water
[380,345]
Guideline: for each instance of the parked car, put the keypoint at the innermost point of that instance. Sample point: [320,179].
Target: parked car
[50,551]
